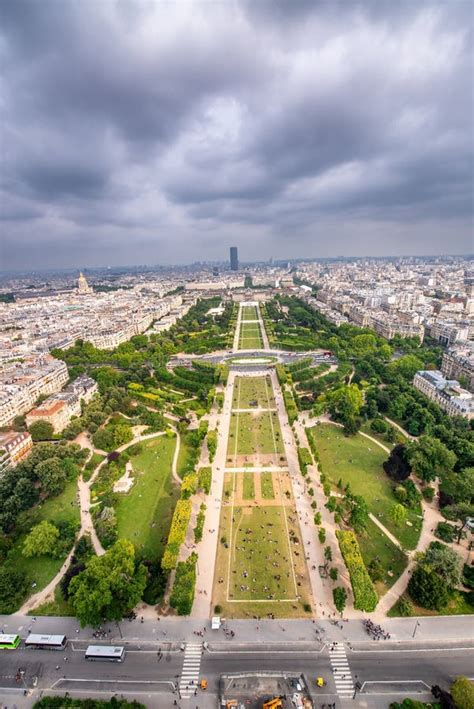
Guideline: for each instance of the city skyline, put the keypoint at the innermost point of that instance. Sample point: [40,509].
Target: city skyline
[273,129]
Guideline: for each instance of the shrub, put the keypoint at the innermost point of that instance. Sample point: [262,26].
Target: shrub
[446,532]
[205,479]
[189,486]
[428,589]
[405,607]
[365,597]
[182,595]
[317,518]
[304,459]
[177,534]
[199,528]
[428,493]
[333,573]
[218,609]
[212,444]
[379,426]
[339,595]
[322,535]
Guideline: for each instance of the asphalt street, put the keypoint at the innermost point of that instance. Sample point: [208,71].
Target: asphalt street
[384,672]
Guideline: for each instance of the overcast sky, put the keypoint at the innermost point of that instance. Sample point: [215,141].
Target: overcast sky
[138,132]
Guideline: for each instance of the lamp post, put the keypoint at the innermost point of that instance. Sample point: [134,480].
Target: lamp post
[415,628]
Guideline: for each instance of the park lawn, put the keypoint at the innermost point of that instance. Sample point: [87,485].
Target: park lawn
[263,531]
[42,569]
[457,605]
[248,390]
[381,437]
[257,433]
[144,514]
[248,486]
[249,312]
[375,544]
[266,486]
[91,465]
[56,607]
[358,461]
[185,455]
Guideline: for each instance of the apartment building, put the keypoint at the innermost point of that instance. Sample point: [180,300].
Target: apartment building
[459,362]
[447,393]
[13,448]
[24,382]
[449,332]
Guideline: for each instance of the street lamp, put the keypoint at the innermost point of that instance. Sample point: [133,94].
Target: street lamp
[415,628]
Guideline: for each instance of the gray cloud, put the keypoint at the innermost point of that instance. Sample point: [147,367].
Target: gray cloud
[161,132]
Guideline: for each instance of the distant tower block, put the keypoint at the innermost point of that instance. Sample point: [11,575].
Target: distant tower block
[234,258]
[82,285]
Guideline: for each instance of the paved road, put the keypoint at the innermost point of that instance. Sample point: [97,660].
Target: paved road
[385,672]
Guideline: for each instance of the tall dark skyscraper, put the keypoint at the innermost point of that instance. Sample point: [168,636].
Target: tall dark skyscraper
[234,259]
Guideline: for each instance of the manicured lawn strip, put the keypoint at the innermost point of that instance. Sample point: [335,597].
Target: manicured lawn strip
[41,569]
[249,312]
[374,544]
[358,461]
[248,390]
[248,487]
[144,514]
[266,486]
[257,433]
[269,545]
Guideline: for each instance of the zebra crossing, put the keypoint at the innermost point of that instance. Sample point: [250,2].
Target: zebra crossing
[190,673]
[341,671]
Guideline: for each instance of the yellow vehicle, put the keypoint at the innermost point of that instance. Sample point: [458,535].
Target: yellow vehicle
[320,682]
[203,684]
[274,703]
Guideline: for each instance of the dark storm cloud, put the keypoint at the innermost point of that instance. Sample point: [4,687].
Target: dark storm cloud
[160,131]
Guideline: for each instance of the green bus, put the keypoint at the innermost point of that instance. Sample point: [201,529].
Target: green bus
[9,642]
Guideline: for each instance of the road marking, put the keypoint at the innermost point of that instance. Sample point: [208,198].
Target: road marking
[341,670]
[191,667]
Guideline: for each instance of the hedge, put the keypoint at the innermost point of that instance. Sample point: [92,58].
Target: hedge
[304,459]
[177,534]
[365,597]
[205,479]
[290,406]
[212,444]
[182,595]
[189,486]
[199,528]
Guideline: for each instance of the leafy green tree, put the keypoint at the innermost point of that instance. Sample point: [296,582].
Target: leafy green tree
[430,458]
[346,402]
[41,430]
[397,466]
[398,514]
[51,475]
[462,691]
[406,366]
[428,589]
[109,586]
[43,539]
[359,515]
[13,587]
[444,562]
[339,595]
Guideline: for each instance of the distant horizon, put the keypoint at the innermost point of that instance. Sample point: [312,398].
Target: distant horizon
[242,263]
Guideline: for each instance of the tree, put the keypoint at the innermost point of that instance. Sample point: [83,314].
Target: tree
[51,475]
[397,465]
[444,562]
[43,539]
[462,691]
[406,366]
[359,516]
[346,402]
[109,586]
[428,589]
[430,458]
[339,595]
[464,512]
[13,587]
[399,514]
[41,430]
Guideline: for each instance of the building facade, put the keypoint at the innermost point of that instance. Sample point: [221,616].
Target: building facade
[13,448]
[447,393]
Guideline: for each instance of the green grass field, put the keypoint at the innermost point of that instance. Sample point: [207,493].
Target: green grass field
[249,312]
[255,433]
[266,486]
[144,514]
[260,554]
[358,461]
[41,569]
[248,486]
[249,391]
[374,544]
[250,336]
